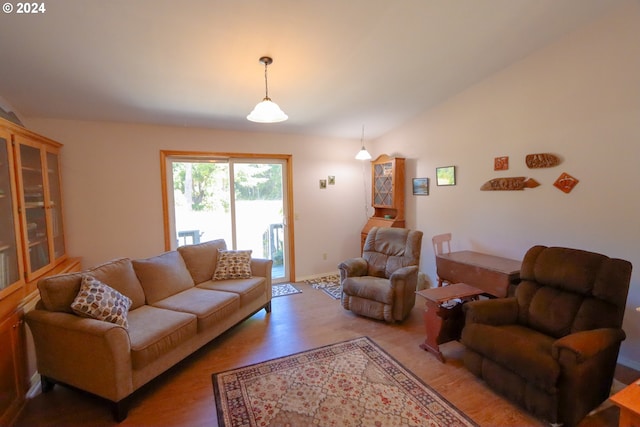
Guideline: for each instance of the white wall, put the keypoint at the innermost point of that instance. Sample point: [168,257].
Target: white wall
[578,98]
[113,198]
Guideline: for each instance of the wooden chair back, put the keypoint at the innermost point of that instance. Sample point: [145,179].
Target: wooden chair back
[439,243]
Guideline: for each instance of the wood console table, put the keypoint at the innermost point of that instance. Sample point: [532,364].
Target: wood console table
[443,322]
[492,274]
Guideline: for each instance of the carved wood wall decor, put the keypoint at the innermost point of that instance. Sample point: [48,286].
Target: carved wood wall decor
[566,182]
[542,160]
[509,184]
[501,163]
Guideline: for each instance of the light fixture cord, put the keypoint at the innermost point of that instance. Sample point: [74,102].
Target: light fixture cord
[364,180]
[266,85]
[364,187]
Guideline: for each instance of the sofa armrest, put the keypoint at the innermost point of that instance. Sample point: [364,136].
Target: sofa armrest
[580,346]
[261,267]
[404,283]
[500,311]
[354,267]
[407,274]
[86,353]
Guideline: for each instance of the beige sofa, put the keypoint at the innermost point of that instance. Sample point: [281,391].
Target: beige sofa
[175,309]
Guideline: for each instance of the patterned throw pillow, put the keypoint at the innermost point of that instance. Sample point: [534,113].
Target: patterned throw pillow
[233,265]
[100,301]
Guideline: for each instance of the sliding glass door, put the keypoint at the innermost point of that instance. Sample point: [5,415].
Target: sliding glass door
[242,200]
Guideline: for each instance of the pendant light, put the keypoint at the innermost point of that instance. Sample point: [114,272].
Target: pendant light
[363,154]
[267,111]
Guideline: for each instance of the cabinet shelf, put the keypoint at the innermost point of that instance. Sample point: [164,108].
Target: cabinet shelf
[34,205]
[31,169]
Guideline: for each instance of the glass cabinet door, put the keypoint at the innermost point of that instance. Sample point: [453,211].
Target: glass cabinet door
[34,212]
[55,205]
[9,250]
[383,184]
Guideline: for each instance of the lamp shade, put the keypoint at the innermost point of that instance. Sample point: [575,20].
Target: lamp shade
[267,111]
[363,154]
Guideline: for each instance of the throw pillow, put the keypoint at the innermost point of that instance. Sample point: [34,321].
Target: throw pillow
[233,265]
[100,301]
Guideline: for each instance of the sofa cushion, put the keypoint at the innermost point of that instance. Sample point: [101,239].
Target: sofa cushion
[100,301]
[120,276]
[248,289]
[210,307]
[523,350]
[154,331]
[201,259]
[162,276]
[58,292]
[370,288]
[233,265]
[387,249]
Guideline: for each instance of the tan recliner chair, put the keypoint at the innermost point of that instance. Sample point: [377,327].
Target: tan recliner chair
[382,283]
[553,347]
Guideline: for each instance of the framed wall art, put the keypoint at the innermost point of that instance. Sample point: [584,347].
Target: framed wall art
[446,175]
[420,186]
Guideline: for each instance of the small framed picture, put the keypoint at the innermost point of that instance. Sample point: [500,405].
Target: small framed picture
[446,175]
[332,180]
[420,186]
[323,184]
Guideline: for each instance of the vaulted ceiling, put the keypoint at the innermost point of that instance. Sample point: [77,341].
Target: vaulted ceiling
[338,64]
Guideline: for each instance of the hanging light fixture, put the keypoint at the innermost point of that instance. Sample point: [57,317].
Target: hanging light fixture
[363,154]
[267,111]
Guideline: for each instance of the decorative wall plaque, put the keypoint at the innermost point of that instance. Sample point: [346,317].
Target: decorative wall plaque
[501,163]
[509,184]
[565,182]
[542,160]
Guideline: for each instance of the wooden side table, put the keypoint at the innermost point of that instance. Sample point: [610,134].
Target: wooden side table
[628,399]
[443,322]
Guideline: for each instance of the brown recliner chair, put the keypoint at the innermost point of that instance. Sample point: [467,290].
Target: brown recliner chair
[553,347]
[382,283]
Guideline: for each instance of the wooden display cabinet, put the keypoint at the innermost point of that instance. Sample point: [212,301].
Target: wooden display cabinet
[387,194]
[32,246]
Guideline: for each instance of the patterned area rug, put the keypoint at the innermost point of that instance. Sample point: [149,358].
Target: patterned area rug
[330,284]
[283,289]
[353,383]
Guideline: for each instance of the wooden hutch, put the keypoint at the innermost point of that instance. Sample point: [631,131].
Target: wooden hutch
[387,194]
[32,246]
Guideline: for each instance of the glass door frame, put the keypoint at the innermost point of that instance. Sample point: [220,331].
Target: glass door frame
[6,141]
[19,141]
[166,156]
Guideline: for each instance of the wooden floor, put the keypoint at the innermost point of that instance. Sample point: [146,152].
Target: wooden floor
[183,396]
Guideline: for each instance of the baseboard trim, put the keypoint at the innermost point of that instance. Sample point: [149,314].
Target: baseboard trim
[633,364]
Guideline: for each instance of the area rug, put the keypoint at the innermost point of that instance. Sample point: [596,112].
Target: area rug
[283,289]
[330,284]
[353,383]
